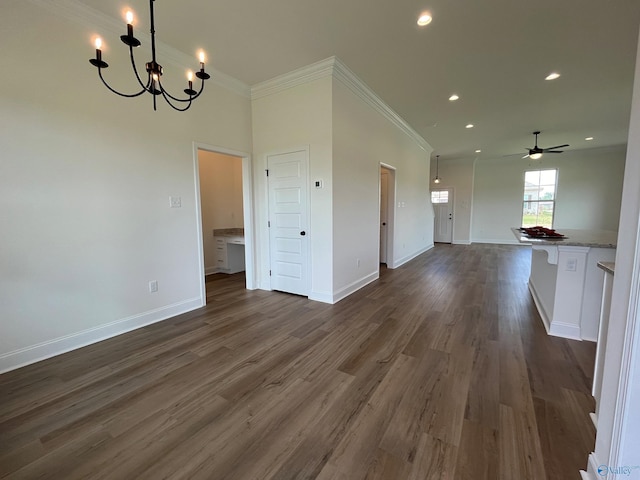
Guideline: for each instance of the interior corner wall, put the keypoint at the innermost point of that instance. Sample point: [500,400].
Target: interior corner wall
[588,195]
[297,117]
[362,140]
[458,174]
[85,181]
[220,199]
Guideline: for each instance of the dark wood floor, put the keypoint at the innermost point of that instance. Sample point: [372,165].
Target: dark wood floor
[439,370]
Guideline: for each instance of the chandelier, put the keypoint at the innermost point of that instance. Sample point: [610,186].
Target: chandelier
[153,82]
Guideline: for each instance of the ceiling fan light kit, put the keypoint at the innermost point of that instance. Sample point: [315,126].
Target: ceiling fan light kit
[536,152]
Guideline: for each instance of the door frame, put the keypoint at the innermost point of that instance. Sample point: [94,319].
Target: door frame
[452,201]
[391,210]
[247,213]
[267,193]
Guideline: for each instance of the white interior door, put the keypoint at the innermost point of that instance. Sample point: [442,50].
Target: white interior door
[442,201]
[288,222]
[384,209]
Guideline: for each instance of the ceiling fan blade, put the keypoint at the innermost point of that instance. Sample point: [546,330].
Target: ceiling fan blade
[557,146]
[553,151]
[526,156]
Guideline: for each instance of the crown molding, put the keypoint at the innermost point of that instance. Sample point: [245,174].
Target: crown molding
[307,74]
[342,73]
[333,67]
[77,12]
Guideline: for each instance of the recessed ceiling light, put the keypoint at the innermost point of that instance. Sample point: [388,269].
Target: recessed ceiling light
[478,151]
[469,126]
[424,19]
[552,76]
[453,98]
[589,138]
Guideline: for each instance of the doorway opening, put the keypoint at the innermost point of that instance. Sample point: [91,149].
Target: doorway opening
[387,213]
[224,215]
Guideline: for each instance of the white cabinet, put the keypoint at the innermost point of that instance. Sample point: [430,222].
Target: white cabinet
[229,256]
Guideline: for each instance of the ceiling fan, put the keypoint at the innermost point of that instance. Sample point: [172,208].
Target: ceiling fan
[536,152]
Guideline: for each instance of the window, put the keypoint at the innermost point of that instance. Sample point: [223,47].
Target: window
[539,198]
[440,196]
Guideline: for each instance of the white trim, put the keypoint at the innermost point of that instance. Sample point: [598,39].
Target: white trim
[408,258]
[301,76]
[349,289]
[51,348]
[332,66]
[461,242]
[541,311]
[629,359]
[77,12]
[565,330]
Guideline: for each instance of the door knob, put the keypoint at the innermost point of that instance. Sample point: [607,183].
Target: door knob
[384,223]
[303,233]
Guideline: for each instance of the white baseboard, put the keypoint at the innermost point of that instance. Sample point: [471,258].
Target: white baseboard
[42,351]
[327,297]
[324,297]
[592,468]
[211,270]
[408,258]
[539,307]
[565,330]
[461,242]
[357,285]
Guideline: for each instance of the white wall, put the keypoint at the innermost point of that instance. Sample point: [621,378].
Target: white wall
[220,198]
[85,180]
[458,174]
[288,119]
[589,192]
[363,139]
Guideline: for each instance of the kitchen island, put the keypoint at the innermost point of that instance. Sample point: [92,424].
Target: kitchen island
[565,281]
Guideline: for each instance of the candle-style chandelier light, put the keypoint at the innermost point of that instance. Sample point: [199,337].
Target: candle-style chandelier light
[153,83]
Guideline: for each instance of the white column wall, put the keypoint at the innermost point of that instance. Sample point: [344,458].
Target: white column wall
[363,140]
[297,117]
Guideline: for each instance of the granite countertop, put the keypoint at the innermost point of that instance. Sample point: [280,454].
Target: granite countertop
[575,238]
[228,232]
[609,267]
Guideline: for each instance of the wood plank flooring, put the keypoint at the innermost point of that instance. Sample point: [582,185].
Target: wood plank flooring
[439,370]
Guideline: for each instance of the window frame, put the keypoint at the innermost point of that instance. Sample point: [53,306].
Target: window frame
[539,187]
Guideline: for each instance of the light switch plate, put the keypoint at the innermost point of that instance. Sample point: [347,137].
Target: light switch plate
[175,202]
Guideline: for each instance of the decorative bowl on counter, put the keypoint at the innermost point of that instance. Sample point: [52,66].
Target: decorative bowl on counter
[542,232]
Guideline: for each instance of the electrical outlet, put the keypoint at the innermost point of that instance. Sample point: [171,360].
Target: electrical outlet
[153,286]
[175,202]
[572,264]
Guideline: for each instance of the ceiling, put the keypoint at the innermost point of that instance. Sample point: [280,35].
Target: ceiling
[495,54]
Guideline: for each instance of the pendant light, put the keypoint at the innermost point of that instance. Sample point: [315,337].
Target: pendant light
[437,178]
